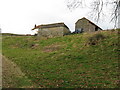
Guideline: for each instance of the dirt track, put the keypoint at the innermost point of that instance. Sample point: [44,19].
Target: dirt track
[12,75]
[9,71]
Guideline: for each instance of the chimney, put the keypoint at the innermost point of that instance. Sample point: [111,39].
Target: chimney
[35,26]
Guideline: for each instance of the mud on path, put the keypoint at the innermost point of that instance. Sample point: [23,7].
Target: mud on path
[13,77]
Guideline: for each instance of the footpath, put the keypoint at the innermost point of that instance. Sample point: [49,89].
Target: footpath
[12,76]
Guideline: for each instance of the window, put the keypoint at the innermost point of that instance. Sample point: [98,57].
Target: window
[96,28]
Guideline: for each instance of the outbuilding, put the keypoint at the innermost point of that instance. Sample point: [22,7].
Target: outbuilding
[85,25]
[52,30]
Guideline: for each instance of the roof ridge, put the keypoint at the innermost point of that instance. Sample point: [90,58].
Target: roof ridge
[50,25]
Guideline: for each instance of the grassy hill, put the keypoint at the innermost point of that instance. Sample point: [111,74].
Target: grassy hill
[88,60]
[11,34]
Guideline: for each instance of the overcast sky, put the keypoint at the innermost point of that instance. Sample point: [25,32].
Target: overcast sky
[20,16]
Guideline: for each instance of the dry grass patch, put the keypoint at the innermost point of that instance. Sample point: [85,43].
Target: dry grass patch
[52,48]
[12,76]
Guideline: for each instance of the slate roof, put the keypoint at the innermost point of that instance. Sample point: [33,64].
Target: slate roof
[50,25]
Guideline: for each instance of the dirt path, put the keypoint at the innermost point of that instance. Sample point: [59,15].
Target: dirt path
[12,76]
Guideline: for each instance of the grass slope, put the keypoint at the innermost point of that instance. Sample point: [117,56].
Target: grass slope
[66,62]
[12,76]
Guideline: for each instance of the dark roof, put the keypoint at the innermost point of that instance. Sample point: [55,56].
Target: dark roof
[50,25]
[90,22]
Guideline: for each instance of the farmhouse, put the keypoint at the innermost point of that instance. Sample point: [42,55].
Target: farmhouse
[85,25]
[52,30]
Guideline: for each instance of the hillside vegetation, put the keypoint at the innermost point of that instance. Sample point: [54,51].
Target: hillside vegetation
[88,60]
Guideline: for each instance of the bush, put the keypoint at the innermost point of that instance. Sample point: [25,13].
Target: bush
[93,40]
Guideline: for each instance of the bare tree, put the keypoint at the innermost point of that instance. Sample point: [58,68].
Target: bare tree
[97,8]
[73,4]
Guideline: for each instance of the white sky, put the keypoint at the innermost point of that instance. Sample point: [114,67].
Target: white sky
[20,16]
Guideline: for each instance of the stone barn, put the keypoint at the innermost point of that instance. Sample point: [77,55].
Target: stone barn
[85,25]
[52,30]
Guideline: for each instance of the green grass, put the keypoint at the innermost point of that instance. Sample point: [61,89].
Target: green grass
[66,62]
[17,82]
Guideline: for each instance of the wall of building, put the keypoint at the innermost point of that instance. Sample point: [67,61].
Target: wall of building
[85,25]
[66,31]
[50,32]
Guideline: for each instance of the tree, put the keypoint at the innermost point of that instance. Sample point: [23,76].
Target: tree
[98,7]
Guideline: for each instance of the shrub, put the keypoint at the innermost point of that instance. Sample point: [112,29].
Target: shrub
[93,40]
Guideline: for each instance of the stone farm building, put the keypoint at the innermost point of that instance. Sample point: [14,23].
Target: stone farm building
[52,30]
[85,25]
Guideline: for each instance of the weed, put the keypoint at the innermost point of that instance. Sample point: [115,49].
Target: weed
[93,40]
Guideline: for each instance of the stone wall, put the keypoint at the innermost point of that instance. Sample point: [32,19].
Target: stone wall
[50,32]
[85,25]
[66,31]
